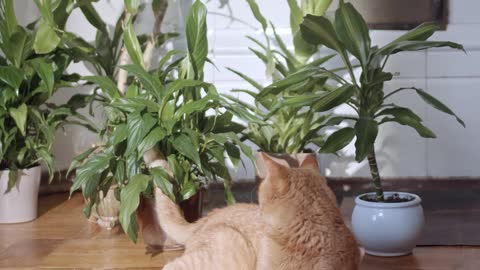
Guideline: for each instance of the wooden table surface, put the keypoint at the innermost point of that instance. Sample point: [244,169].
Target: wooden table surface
[62,238]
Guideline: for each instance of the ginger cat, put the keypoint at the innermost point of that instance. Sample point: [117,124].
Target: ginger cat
[296,226]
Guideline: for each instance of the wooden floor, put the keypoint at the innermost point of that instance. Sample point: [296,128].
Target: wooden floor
[61,238]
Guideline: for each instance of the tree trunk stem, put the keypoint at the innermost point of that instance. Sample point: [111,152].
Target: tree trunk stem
[377,183]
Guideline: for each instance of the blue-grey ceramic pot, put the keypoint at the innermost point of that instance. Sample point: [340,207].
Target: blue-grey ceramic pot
[388,229]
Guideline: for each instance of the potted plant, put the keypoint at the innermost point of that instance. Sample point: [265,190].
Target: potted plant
[385,223]
[32,69]
[283,132]
[160,133]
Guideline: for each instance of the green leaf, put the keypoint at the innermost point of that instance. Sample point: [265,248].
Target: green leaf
[138,127]
[318,30]
[196,33]
[153,137]
[188,190]
[106,84]
[92,15]
[334,98]
[257,14]
[437,104]
[93,166]
[46,40]
[129,201]
[366,130]
[12,76]
[47,157]
[133,46]
[233,153]
[409,46]
[19,47]
[248,79]
[405,116]
[19,115]
[195,106]
[132,6]
[12,180]
[278,86]
[119,134]
[8,20]
[162,181]
[183,144]
[419,33]
[79,159]
[352,30]
[150,83]
[45,72]
[338,140]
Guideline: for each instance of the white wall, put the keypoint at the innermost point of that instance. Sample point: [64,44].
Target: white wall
[452,76]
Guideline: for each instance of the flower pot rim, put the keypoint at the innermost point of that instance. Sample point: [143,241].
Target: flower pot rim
[415,202]
[36,165]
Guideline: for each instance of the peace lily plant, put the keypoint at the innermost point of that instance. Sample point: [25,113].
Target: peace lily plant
[285,130]
[348,35]
[33,65]
[170,129]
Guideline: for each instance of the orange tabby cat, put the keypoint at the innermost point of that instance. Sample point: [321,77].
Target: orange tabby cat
[296,226]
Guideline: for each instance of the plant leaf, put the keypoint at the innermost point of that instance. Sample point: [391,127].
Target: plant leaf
[132,45]
[45,72]
[153,137]
[150,83]
[46,40]
[366,130]
[8,20]
[183,144]
[437,104]
[334,98]
[352,30]
[138,127]
[129,201]
[12,76]
[19,115]
[338,140]
[162,181]
[106,84]
[196,33]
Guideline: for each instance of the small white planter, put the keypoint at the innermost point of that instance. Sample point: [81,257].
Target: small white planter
[388,229]
[20,204]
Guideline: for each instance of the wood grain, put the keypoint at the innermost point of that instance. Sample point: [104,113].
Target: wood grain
[62,238]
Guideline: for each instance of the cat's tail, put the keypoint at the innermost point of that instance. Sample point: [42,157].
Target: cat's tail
[171,219]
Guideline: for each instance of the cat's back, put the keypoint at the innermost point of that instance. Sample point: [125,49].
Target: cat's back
[245,217]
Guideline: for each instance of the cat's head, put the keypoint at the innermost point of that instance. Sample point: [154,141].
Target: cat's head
[283,183]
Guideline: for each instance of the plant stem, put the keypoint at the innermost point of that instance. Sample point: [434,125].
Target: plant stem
[377,182]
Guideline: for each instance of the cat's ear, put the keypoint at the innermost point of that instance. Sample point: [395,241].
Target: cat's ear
[310,162]
[272,167]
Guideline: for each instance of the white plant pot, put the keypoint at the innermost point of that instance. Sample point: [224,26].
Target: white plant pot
[388,229]
[20,204]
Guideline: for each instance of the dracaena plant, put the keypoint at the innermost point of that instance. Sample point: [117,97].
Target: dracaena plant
[169,113]
[349,36]
[286,129]
[33,62]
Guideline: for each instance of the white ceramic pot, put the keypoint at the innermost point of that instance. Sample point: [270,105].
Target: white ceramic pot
[388,229]
[20,204]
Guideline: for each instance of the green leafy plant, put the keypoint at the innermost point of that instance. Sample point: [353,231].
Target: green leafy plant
[168,113]
[286,129]
[32,69]
[349,36]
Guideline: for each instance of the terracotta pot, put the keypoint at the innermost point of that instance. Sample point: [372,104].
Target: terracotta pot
[153,235]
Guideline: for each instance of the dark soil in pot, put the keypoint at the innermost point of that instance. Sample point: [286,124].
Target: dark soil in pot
[395,198]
